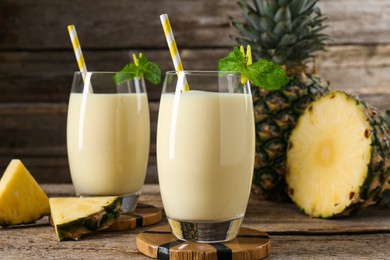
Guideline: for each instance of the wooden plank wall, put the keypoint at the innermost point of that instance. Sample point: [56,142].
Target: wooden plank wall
[37,62]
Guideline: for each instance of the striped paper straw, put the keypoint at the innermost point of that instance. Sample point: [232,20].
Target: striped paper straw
[77,48]
[172,46]
[77,51]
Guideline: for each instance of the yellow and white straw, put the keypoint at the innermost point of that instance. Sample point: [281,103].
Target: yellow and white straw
[79,55]
[77,48]
[172,46]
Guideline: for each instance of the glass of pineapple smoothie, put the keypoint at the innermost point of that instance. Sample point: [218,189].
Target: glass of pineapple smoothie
[205,153]
[108,136]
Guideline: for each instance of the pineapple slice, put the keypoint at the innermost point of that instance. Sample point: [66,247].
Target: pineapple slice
[74,217]
[21,198]
[338,157]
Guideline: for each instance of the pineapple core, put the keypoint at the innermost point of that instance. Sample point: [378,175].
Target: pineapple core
[21,198]
[328,156]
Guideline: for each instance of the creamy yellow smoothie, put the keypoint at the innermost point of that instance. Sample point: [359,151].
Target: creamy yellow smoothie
[108,142]
[205,154]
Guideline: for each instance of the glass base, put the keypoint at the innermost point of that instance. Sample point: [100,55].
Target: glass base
[128,202]
[206,231]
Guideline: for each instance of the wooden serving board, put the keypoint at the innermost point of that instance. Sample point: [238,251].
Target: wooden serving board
[160,243]
[143,215]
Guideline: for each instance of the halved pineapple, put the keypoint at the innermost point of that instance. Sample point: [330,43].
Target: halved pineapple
[74,217]
[21,198]
[338,157]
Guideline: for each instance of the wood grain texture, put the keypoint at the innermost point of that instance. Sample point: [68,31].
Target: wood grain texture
[369,246]
[36,134]
[37,61]
[38,243]
[37,24]
[334,241]
[47,76]
[277,218]
[159,242]
[144,215]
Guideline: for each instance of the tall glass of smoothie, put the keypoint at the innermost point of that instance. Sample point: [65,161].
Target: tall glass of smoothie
[205,153]
[108,136]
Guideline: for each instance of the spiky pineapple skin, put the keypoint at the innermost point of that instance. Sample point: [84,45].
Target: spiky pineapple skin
[378,169]
[378,177]
[276,113]
[385,201]
[75,229]
[286,32]
[387,117]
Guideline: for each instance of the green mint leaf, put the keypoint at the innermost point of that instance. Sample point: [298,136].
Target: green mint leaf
[142,62]
[266,74]
[235,61]
[150,70]
[263,73]
[146,68]
[152,73]
[127,73]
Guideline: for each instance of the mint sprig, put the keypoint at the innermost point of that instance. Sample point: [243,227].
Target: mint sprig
[140,67]
[263,73]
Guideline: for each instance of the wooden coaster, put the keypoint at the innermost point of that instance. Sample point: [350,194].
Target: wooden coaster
[160,243]
[144,215]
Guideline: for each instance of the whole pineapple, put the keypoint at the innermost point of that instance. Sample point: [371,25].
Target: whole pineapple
[287,32]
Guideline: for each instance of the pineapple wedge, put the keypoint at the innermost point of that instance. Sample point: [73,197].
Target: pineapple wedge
[21,198]
[74,217]
[338,159]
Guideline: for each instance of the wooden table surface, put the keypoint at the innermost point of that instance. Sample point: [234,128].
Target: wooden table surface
[293,234]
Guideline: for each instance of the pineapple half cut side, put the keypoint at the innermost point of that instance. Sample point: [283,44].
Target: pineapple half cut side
[338,157]
[74,217]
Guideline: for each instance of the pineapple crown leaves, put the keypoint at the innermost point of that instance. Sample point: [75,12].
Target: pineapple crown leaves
[141,66]
[287,32]
[263,73]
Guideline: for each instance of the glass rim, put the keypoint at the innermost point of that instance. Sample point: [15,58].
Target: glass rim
[101,72]
[200,72]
